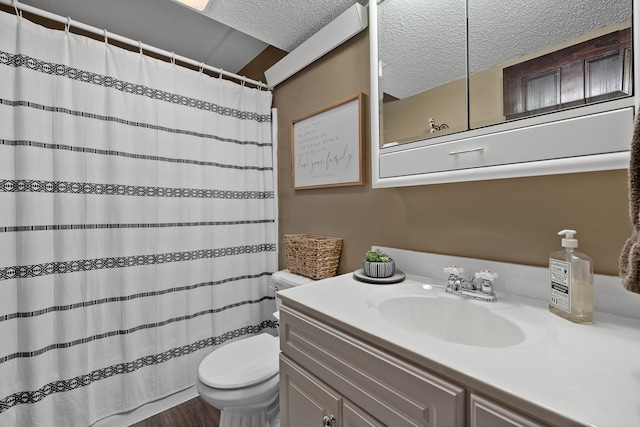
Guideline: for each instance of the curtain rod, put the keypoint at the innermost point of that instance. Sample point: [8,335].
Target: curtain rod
[103,32]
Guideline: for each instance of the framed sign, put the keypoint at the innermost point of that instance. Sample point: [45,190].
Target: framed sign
[328,146]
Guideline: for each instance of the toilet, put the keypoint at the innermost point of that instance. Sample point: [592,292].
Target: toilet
[241,378]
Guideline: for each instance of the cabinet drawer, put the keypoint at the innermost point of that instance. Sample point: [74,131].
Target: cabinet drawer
[390,389]
[590,135]
[485,413]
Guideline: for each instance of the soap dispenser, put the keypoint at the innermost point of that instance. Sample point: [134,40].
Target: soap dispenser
[571,277]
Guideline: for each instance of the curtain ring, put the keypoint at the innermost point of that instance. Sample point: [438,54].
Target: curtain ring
[15,6]
[67,27]
[140,47]
[106,37]
[244,80]
[173,58]
[220,75]
[202,67]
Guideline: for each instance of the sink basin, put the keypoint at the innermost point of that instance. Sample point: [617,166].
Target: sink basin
[450,318]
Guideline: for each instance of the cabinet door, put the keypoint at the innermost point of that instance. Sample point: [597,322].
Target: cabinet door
[394,392]
[354,416]
[305,401]
[485,413]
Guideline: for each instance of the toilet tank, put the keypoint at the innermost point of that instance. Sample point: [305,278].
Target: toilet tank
[285,279]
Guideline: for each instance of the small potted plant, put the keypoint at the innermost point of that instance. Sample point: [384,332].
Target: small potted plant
[377,264]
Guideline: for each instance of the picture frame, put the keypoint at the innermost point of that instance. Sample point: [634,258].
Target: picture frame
[328,146]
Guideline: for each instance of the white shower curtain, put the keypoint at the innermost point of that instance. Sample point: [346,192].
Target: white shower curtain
[137,224]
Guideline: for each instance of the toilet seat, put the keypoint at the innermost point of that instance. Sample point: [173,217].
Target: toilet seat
[242,363]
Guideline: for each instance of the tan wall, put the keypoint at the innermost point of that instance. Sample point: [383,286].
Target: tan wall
[405,120]
[511,220]
[408,119]
[486,100]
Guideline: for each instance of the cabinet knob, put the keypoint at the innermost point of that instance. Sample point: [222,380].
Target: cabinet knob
[328,421]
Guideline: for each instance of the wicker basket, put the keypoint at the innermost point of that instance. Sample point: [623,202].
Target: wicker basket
[312,256]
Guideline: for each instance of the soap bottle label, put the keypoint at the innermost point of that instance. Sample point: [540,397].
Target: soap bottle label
[560,272]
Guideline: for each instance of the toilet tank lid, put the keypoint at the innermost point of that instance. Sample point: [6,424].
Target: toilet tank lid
[284,279]
[242,363]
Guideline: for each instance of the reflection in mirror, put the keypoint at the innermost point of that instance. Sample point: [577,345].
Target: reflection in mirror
[422,69]
[530,58]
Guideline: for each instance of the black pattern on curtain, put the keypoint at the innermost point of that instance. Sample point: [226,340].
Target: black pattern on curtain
[137,224]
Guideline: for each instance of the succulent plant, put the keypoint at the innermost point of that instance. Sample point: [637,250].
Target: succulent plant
[377,256]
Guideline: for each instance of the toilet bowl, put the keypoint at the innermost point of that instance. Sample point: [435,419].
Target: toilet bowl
[241,378]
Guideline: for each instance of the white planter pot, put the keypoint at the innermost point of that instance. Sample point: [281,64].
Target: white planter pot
[379,269]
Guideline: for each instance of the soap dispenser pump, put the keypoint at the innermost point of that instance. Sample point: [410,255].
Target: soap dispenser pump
[571,277]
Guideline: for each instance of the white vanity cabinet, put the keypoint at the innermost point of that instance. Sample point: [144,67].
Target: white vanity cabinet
[332,378]
[360,386]
[390,356]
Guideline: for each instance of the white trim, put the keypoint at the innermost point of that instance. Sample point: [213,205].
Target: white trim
[599,162]
[374,96]
[348,24]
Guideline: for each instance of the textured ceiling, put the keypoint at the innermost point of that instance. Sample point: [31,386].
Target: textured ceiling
[501,31]
[416,60]
[284,24]
[229,34]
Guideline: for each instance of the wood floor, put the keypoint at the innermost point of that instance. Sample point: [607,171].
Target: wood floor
[192,413]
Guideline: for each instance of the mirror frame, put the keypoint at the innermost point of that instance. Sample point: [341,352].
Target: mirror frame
[525,129]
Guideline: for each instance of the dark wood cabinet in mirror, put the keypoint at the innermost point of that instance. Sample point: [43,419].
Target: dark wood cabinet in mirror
[592,71]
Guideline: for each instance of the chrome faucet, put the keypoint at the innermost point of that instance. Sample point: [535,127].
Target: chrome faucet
[458,285]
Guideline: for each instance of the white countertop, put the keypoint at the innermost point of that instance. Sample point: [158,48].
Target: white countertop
[588,373]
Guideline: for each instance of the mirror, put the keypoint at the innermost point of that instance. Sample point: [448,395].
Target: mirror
[523,59]
[422,69]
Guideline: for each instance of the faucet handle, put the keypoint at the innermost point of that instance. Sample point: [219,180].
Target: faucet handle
[456,271]
[486,275]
